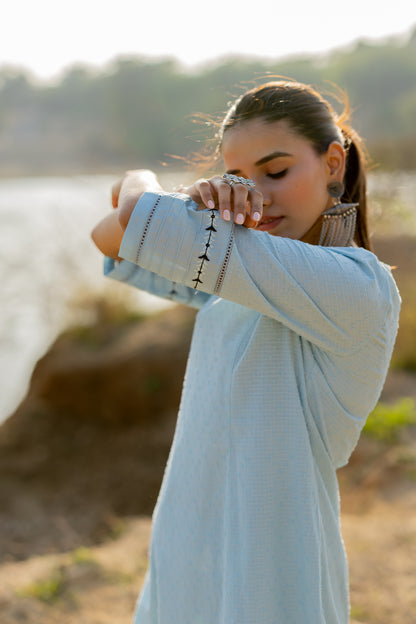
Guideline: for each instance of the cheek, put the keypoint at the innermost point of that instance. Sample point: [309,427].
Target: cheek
[309,189]
[300,193]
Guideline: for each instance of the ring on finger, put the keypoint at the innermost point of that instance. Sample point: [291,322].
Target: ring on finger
[231,179]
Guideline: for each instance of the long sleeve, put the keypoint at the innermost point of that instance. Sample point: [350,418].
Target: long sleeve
[334,297]
[133,275]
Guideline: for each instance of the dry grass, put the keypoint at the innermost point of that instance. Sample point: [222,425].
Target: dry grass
[381,547]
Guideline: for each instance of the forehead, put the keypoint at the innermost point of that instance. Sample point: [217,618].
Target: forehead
[256,138]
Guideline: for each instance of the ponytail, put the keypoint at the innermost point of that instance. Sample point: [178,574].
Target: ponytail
[355,182]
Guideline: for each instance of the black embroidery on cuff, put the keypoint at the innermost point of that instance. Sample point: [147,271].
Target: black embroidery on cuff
[173,291]
[204,256]
[146,229]
[224,265]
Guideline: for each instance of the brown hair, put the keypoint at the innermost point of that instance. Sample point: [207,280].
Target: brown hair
[314,119]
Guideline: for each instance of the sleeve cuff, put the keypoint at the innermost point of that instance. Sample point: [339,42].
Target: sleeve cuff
[120,271]
[168,235]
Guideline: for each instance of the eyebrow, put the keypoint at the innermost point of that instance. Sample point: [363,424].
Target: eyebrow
[271,156]
[265,159]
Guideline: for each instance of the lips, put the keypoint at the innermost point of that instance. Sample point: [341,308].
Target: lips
[269,223]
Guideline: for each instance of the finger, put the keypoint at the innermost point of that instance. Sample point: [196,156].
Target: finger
[115,192]
[256,205]
[194,191]
[240,196]
[224,200]
[250,222]
[206,194]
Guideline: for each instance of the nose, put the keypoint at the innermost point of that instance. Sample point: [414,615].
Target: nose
[262,188]
[266,200]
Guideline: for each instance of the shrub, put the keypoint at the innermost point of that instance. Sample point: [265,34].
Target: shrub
[386,422]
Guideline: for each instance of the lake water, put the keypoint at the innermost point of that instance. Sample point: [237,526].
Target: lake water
[48,262]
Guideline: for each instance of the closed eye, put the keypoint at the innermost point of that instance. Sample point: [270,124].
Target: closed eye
[280,174]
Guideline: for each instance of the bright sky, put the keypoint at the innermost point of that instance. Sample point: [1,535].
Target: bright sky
[46,36]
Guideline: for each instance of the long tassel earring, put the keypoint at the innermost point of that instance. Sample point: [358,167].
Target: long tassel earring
[339,221]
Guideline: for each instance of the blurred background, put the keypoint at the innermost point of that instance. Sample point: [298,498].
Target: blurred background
[86,92]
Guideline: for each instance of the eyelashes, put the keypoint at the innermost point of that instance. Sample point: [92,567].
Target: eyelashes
[277,176]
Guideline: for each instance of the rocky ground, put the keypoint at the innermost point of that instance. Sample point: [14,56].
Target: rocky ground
[80,468]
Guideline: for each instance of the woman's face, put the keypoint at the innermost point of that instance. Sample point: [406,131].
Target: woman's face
[286,169]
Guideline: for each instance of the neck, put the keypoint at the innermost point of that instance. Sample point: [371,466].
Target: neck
[313,234]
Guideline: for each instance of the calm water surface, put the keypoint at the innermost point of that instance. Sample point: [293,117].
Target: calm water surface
[47,263]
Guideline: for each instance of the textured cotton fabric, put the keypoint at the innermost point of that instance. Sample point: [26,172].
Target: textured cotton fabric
[289,354]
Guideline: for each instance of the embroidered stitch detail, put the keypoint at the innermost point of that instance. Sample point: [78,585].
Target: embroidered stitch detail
[204,256]
[224,265]
[146,228]
[173,291]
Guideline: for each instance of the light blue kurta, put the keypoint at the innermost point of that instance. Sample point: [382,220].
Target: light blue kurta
[290,351]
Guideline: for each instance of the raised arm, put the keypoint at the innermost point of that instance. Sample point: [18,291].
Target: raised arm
[334,297]
[109,232]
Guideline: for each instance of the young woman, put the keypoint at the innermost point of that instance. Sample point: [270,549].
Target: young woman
[290,351]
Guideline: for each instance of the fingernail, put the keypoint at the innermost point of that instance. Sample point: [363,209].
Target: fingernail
[211,204]
[256,216]
[226,215]
[240,218]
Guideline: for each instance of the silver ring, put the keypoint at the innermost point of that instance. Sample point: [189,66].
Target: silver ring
[233,179]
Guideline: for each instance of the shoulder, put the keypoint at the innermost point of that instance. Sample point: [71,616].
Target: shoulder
[374,270]
[355,288]
[374,294]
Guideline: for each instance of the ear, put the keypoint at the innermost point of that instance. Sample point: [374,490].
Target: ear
[335,161]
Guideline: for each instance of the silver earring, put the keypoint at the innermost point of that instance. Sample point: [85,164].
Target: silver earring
[338,225]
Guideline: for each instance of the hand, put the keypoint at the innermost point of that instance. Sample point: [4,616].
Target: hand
[246,203]
[126,192]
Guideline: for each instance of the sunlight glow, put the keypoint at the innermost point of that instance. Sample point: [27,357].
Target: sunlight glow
[46,37]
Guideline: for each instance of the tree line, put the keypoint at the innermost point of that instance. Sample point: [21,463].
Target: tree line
[139,113]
